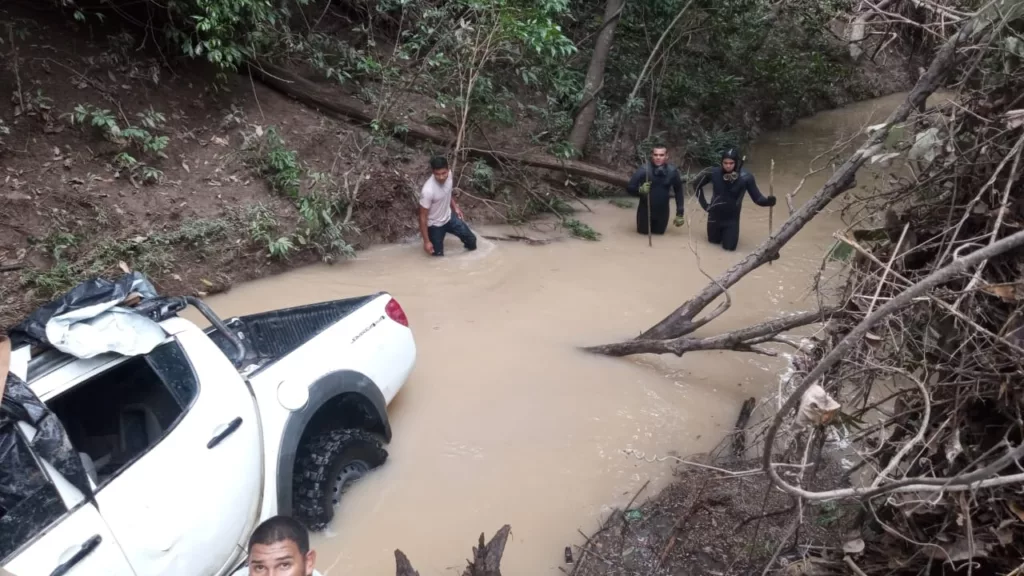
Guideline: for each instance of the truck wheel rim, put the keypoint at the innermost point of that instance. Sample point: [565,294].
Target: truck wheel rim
[350,473]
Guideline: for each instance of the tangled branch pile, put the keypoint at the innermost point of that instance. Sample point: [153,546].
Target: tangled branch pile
[928,359]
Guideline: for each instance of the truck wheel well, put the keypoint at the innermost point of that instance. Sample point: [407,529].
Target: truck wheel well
[340,400]
[345,411]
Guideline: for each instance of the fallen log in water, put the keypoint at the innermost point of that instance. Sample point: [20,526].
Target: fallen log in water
[486,557]
[330,101]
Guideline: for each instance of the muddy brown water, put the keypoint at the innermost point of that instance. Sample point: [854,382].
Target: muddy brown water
[504,421]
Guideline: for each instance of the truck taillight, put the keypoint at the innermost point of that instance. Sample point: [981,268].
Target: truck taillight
[395,312]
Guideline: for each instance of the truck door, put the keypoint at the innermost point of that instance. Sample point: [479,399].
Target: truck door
[53,530]
[175,444]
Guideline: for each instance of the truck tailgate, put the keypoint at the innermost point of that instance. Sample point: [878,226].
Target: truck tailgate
[270,336]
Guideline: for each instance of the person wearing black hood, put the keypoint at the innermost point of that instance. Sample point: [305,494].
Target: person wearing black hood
[653,182]
[729,182]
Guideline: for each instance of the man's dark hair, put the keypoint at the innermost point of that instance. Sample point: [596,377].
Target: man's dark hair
[659,145]
[279,529]
[438,162]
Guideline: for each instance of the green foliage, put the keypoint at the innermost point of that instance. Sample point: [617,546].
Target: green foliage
[482,177]
[581,230]
[151,254]
[729,66]
[706,146]
[324,209]
[840,251]
[481,48]
[280,248]
[260,223]
[141,138]
[262,227]
[280,164]
[622,203]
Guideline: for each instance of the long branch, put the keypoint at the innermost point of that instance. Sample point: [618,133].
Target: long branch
[738,340]
[681,321]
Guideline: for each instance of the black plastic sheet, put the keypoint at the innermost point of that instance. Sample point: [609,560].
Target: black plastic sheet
[27,496]
[32,330]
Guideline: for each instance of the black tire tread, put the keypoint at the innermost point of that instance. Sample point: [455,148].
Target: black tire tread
[312,482]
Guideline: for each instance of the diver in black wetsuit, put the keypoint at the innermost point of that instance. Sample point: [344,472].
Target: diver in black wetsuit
[653,182]
[729,182]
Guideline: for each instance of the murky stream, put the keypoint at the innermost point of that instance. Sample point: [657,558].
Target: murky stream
[503,420]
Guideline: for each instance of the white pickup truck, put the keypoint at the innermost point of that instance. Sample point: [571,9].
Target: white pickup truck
[187,448]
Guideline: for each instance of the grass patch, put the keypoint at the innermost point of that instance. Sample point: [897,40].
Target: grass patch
[279,164]
[322,204]
[622,203]
[153,254]
[580,230]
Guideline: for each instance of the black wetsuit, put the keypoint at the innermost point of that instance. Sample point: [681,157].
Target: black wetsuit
[665,180]
[726,201]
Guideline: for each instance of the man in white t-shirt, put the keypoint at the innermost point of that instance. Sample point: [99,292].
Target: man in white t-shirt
[439,214]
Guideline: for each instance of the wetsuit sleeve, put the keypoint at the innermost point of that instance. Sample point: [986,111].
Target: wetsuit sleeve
[698,188]
[755,194]
[633,188]
[677,187]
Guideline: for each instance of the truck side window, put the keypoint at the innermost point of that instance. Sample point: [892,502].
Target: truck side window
[28,503]
[117,416]
[171,364]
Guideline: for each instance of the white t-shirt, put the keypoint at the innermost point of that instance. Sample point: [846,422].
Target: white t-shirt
[437,199]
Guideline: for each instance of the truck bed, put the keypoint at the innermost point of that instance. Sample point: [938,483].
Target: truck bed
[270,336]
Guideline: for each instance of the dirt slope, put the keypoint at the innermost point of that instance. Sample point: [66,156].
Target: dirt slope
[70,209]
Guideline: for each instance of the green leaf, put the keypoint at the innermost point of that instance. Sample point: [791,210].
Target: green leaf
[841,251]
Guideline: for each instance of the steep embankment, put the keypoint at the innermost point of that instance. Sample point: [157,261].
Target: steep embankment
[184,200]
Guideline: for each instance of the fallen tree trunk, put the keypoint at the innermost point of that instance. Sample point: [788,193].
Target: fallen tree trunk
[657,339]
[742,340]
[329,101]
[486,557]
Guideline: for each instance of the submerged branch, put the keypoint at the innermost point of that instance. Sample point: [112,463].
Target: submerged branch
[742,340]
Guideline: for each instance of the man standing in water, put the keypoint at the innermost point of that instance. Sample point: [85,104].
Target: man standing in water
[439,214]
[729,182]
[653,183]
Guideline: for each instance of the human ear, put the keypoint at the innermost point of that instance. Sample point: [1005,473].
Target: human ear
[310,562]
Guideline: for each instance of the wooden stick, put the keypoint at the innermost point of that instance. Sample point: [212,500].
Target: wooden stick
[771,194]
[650,243]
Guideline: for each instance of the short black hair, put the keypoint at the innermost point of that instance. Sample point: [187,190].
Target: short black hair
[659,145]
[438,162]
[279,529]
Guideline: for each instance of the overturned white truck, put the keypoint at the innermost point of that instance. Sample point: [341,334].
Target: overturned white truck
[133,442]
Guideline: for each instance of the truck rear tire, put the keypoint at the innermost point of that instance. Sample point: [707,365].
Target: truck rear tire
[327,464]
